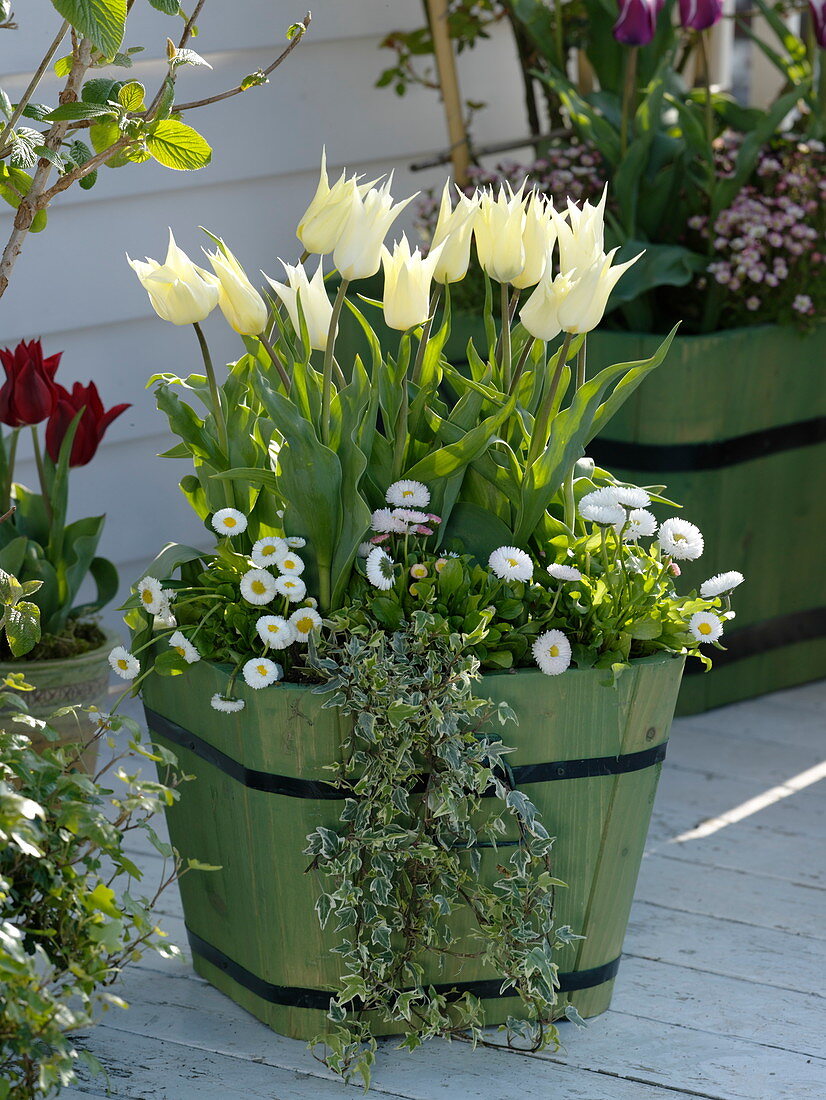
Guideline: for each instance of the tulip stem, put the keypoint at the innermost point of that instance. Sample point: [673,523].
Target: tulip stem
[275,359]
[570,502]
[520,366]
[41,475]
[505,337]
[327,380]
[543,417]
[13,434]
[217,410]
[704,60]
[417,366]
[628,95]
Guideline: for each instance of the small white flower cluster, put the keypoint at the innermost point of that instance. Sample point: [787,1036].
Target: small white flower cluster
[259,586]
[156,600]
[551,650]
[406,516]
[622,507]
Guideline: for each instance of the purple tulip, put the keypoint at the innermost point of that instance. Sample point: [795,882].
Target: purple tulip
[818,9]
[699,15]
[637,21]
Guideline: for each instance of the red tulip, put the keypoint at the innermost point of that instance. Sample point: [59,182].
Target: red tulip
[817,9]
[637,21]
[91,426]
[699,15]
[29,393]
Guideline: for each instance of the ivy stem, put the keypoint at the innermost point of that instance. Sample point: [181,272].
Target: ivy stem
[41,475]
[543,417]
[505,337]
[327,379]
[217,410]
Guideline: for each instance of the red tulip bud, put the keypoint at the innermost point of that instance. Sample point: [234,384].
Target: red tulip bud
[91,426]
[29,393]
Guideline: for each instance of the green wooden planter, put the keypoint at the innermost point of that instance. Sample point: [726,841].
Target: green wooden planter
[589,756]
[734,425]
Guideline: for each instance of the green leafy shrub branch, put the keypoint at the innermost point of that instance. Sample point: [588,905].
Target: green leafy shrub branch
[417,871]
[122,127]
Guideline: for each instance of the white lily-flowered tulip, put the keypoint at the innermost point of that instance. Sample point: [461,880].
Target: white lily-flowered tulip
[538,238]
[584,305]
[241,304]
[315,304]
[407,278]
[581,234]
[498,228]
[357,253]
[540,314]
[454,232]
[323,220]
[180,291]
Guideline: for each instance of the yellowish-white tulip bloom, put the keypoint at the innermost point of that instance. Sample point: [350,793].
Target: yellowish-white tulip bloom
[584,305]
[407,279]
[540,314]
[454,232]
[323,220]
[538,238]
[179,290]
[581,234]
[315,304]
[357,253]
[241,304]
[498,228]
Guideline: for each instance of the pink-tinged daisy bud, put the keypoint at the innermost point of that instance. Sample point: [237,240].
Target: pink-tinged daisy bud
[699,15]
[419,529]
[674,569]
[377,540]
[637,22]
[434,519]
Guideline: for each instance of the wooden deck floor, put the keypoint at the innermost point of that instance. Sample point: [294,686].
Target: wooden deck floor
[720,994]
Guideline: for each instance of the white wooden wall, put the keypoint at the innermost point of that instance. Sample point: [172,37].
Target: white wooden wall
[72,285]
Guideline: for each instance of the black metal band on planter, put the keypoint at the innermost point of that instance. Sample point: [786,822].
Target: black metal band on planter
[587,768]
[302,997]
[712,455]
[751,641]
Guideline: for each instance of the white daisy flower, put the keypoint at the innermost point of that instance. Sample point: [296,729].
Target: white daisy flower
[380,572]
[440,564]
[274,631]
[705,627]
[564,572]
[295,542]
[552,652]
[229,521]
[408,493]
[419,570]
[511,564]
[638,525]
[606,496]
[304,622]
[384,522]
[606,515]
[99,718]
[184,647]
[258,586]
[631,496]
[292,587]
[151,595]
[266,550]
[364,549]
[124,663]
[680,539]
[290,563]
[311,601]
[260,672]
[720,584]
[410,516]
[226,706]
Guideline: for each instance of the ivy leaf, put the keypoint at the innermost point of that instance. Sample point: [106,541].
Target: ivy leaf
[103,22]
[176,145]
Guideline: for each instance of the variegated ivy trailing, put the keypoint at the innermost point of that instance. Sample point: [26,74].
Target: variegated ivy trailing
[412,880]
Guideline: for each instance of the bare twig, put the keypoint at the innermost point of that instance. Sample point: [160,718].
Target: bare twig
[305,22]
[185,34]
[33,83]
[81,170]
